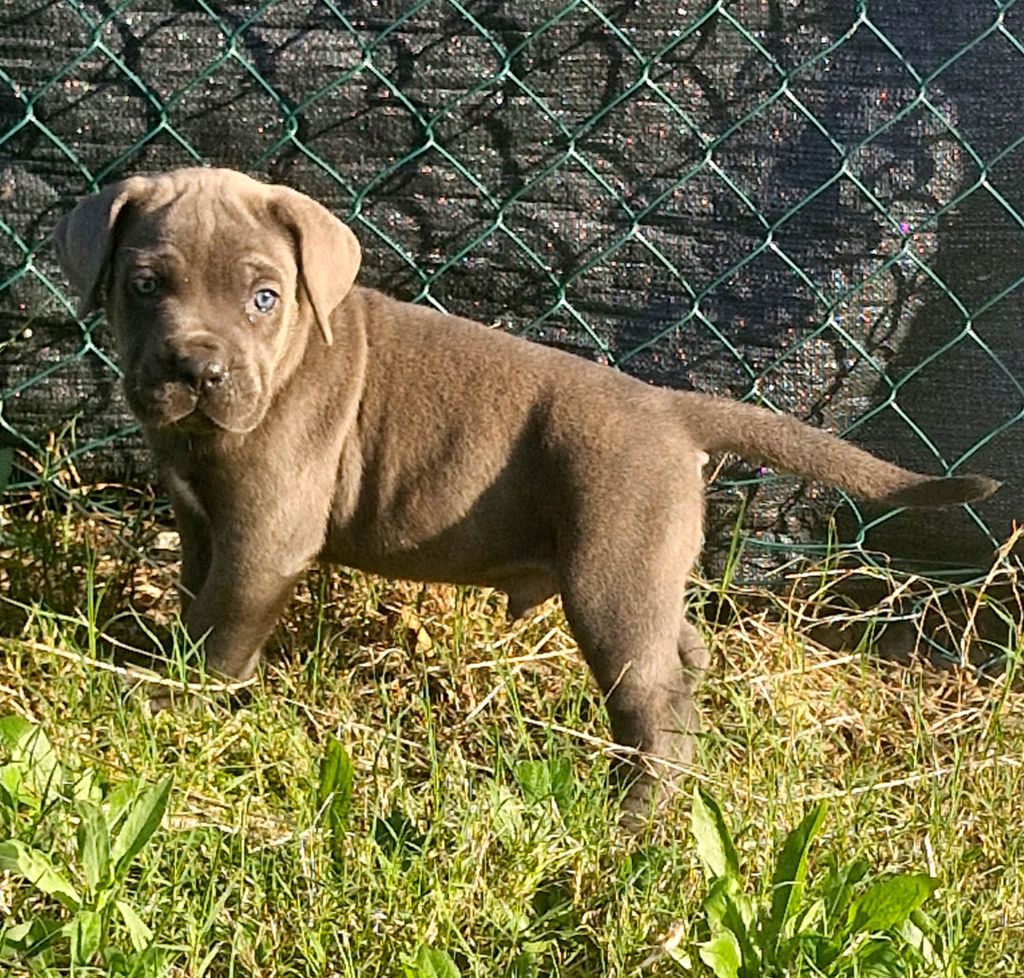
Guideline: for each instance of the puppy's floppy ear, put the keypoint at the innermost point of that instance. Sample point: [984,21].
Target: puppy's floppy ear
[85,238]
[328,252]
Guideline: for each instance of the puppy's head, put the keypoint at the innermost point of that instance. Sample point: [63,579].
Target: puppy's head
[212,284]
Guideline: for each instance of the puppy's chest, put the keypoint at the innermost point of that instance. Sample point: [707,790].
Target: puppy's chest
[208,488]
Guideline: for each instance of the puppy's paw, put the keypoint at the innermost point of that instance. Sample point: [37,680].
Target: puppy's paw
[649,790]
[639,805]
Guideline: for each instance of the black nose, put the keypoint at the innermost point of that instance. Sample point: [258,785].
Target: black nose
[202,373]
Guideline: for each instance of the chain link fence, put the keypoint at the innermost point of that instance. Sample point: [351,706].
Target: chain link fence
[815,205]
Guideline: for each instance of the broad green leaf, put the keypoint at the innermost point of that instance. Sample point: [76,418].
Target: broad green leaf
[11,794]
[563,781]
[140,823]
[30,748]
[837,889]
[890,901]
[31,937]
[431,963]
[119,964]
[805,921]
[16,937]
[139,934]
[85,786]
[681,957]
[722,955]
[800,941]
[541,781]
[118,800]
[86,933]
[716,902]
[334,790]
[730,909]
[534,780]
[39,870]
[93,844]
[725,901]
[876,959]
[504,808]
[150,964]
[714,844]
[827,950]
[916,937]
[788,878]
[15,731]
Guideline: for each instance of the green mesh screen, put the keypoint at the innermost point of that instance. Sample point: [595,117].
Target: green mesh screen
[815,205]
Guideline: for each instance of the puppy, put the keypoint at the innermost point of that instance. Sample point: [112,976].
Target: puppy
[297,417]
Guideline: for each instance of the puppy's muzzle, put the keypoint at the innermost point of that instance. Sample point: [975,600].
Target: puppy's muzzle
[201,374]
[196,380]
[198,363]
[189,378]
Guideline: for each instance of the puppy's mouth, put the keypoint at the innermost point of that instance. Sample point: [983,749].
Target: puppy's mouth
[234,406]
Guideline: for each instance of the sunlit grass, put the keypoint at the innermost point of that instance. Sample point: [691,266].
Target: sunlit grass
[439,702]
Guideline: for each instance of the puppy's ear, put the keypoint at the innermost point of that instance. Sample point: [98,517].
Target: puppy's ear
[329,254]
[85,238]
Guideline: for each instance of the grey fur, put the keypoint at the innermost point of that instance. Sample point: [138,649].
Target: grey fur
[347,427]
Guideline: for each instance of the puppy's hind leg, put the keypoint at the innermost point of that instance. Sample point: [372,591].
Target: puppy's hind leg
[648,666]
[623,574]
[675,717]
[694,659]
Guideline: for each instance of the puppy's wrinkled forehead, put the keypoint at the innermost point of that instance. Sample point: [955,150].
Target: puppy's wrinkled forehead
[208,220]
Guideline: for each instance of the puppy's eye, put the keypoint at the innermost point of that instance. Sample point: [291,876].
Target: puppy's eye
[265,300]
[144,285]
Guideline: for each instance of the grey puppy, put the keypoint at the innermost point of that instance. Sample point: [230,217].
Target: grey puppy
[297,417]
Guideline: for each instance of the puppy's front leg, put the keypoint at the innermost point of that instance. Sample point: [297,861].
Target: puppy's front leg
[196,545]
[237,607]
[259,549]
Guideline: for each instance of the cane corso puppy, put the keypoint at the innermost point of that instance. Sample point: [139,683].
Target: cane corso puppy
[297,417]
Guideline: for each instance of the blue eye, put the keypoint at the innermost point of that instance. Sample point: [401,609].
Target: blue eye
[265,300]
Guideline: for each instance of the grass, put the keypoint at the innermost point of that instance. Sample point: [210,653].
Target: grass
[442,707]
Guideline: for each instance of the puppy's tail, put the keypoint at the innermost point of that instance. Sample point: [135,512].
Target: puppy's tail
[784,443]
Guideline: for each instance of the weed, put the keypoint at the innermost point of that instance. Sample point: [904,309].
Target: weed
[84,885]
[877,930]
